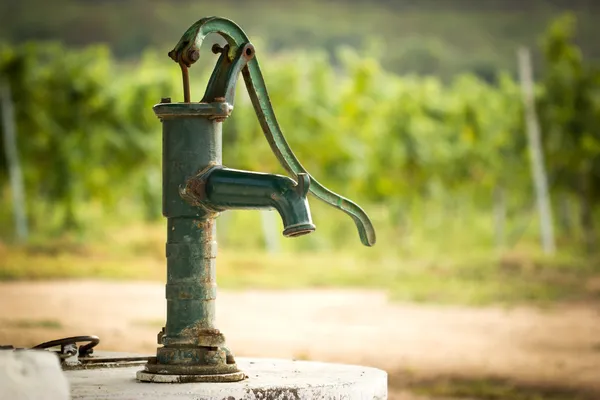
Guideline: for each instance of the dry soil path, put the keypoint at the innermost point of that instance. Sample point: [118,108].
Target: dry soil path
[558,345]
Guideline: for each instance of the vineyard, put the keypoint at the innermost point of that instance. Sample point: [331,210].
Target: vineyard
[443,168]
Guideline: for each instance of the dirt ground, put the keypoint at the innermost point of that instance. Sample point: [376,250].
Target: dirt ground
[559,346]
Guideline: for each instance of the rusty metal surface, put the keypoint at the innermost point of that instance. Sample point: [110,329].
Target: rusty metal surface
[194,191]
[68,346]
[218,110]
[85,350]
[204,337]
[190,344]
[210,369]
[73,358]
[152,377]
[105,360]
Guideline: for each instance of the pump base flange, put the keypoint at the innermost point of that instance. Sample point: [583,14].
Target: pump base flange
[145,376]
[181,373]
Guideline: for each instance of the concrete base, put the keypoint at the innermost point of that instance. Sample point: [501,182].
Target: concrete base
[267,379]
[31,374]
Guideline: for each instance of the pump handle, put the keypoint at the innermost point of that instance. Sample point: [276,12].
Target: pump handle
[186,52]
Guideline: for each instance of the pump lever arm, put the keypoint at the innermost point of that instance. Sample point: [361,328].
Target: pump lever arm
[186,53]
[257,90]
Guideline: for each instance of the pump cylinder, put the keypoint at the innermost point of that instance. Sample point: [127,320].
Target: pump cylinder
[190,144]
[192,346]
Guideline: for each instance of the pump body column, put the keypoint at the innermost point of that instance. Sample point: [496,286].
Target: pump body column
[193,349]
[189,146]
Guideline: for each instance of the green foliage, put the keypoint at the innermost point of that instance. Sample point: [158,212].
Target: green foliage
[571,105]
[570,116]
[83,134]
[435,37]
[433,271]
[90,143]
[92,137]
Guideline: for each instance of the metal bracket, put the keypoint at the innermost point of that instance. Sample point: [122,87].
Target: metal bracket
[73,358]
[222,83]
[194,191]
[68,346]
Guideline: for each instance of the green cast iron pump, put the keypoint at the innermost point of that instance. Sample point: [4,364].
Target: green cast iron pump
[197,187]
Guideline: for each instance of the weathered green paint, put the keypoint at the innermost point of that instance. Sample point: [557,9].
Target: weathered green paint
[191,343]
[196,187]
[223,80]
[233,189]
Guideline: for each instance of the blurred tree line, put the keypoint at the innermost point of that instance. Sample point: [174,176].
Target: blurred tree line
[434,37]
[88,138]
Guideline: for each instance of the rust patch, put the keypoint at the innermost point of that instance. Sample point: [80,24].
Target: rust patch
[204,224]
[205,337]
[160,336]
[185,296]
[197,188]
[194,191]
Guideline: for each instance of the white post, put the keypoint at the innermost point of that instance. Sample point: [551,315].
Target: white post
[270,230]
[538,171]
[499,216]
[12,159]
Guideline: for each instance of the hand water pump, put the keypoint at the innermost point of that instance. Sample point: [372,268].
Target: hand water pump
[197,187]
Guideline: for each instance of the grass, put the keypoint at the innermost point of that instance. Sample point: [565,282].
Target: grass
[507,279]
[149,323]
[33,324]
[429,265]
[484,387]
[496,389]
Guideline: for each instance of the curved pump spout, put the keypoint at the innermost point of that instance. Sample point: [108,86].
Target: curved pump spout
[227,189]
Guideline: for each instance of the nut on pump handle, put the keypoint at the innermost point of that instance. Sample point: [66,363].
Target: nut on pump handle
[239,56]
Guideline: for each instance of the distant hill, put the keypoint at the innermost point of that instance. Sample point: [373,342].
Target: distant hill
[441,37]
